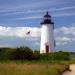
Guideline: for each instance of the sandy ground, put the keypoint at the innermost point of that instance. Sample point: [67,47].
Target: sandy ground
[72,72]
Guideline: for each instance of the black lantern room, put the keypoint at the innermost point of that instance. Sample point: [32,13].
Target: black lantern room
[47,19]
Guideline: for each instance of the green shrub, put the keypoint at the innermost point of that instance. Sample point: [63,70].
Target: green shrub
[61,56]
[25,53]
[22,53]
[5,53]
[53,56]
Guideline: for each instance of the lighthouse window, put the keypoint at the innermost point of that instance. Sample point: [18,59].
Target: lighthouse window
[47,18]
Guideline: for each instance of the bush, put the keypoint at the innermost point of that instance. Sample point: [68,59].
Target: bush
[5,53]
[22,53]
[25,53]
[36,55]
[61,56]
[52,56]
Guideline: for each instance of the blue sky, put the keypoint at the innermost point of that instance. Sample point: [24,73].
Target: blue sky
[19,16]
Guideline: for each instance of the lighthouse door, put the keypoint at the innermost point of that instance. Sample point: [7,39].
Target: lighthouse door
[47,49]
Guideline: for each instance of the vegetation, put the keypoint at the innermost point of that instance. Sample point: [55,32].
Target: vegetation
[25,53]
[22,53]
[31,69]
[23,60]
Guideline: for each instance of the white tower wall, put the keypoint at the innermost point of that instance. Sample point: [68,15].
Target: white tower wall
[47,37]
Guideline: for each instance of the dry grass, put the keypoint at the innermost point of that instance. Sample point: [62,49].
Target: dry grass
[29,69]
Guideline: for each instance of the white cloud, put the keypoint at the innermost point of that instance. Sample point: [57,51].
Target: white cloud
[30,17]
[64,14]
[63,35]
[61,43]
[33,4]
[36,7]
[63,39]
[19,32]
[62,9]
[73,39]
[5,45]
[38,10]
[66,30]
[37,16]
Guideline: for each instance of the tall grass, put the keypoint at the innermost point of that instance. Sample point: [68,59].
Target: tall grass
[30,69]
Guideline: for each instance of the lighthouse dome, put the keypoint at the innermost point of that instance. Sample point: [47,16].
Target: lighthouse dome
[47,15]
[47,19]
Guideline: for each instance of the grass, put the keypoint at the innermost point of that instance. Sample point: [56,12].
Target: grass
[13,68]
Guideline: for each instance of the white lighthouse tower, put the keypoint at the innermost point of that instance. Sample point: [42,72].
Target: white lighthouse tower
[47,35]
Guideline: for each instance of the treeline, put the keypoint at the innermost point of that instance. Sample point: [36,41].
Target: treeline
[25,53]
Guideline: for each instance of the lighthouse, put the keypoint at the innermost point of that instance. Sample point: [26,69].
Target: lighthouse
[47,35]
